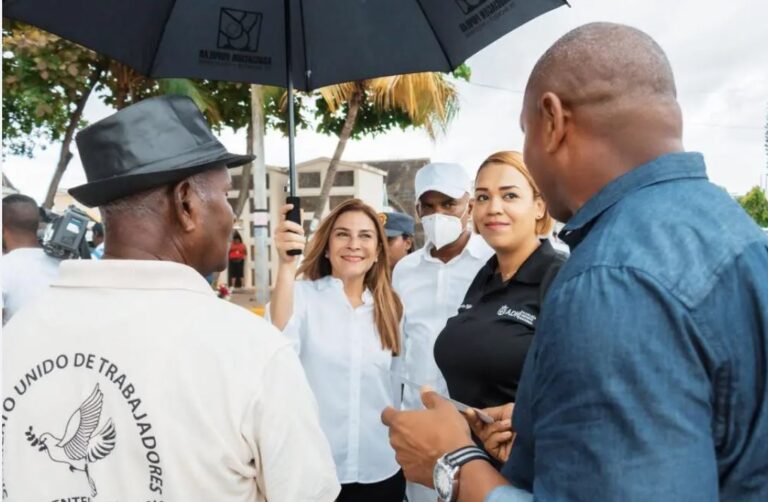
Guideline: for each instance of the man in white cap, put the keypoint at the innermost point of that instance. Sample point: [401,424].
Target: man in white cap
[432,281]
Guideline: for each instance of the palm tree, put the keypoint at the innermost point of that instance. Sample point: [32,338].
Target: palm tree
[429,100]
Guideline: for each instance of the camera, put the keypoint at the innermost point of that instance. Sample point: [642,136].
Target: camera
[64,235]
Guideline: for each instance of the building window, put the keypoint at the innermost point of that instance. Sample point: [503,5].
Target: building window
[237,181]
[344,179]
[335,200]
[252,204]
[308,204]
[309,180]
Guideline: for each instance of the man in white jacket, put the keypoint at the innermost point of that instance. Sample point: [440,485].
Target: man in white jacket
[178,395]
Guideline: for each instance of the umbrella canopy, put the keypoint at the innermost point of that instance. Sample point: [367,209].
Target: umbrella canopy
[325,42]
[304,44]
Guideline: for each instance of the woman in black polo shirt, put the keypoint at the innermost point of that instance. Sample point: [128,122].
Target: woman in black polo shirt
[481,350]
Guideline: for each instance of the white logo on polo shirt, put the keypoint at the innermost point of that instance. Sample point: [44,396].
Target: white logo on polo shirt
[520,315]
[80,445]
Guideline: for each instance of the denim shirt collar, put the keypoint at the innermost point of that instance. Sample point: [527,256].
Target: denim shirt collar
[667,167]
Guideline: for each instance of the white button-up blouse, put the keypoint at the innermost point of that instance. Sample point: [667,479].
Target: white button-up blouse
[340,349]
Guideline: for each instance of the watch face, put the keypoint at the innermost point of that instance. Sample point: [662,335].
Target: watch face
[443,480]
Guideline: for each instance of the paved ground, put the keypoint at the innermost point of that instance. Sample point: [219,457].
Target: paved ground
[246,299]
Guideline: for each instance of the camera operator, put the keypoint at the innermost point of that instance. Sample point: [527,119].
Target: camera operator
[96,245]
[27,270]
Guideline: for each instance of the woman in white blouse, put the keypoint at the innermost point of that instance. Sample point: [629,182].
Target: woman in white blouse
[343,318]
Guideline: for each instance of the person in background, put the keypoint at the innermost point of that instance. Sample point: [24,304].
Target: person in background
[433,280]
[343,318]
[237,254]
[482,349]
[97,241]
[399,228]
[26,270]
[647,378]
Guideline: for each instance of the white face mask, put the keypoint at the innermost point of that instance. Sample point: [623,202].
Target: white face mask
[441,229]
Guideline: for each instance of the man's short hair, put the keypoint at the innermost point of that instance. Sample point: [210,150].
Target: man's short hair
[21,213]
[598,62]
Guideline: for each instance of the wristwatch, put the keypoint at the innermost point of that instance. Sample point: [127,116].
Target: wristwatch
[445,475]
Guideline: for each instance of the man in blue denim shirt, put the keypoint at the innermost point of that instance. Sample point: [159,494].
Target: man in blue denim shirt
[647,377]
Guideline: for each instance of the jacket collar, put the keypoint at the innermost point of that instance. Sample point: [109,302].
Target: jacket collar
[672,166]
[130,274]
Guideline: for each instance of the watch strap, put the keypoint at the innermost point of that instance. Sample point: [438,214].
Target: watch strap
[466,454]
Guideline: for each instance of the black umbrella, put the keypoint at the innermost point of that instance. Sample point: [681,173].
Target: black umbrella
[304,44]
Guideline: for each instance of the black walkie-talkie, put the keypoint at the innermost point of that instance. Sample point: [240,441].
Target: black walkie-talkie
[294,215]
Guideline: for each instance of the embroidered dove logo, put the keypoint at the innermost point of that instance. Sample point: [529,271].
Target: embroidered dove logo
[79,446]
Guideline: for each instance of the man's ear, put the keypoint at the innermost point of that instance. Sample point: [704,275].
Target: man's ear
[470,207]
[541,207]
[409,240]
[184,206]
[554,118]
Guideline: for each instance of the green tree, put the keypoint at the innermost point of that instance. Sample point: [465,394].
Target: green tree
[756,205]
[47,82]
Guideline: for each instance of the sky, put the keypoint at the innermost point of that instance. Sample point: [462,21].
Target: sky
[717,50]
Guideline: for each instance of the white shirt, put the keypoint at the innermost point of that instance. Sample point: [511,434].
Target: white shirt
[27,273]
[431,292]
[167,392]
[340,349]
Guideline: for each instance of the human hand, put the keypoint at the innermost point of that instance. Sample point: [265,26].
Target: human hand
[497,437]
[419,438]
[288,235]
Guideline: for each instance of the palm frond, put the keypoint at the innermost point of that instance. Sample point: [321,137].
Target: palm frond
[337,95]
[429,99]
[186,87]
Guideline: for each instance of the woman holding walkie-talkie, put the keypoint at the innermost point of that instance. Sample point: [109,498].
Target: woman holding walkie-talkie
[343,318]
